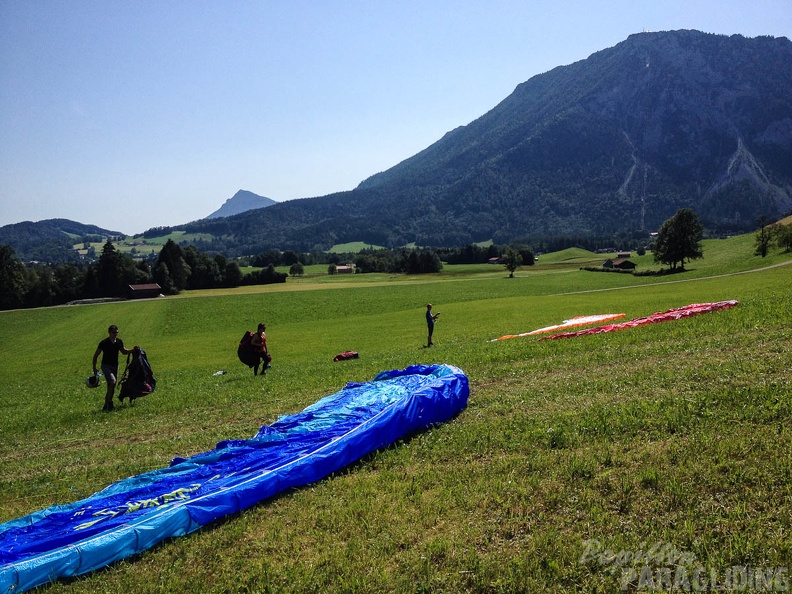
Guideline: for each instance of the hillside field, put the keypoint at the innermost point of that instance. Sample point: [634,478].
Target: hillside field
[573,459]
[142,246]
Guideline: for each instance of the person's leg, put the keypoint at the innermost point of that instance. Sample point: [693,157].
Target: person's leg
[429,342]
[110,374]
[108,403]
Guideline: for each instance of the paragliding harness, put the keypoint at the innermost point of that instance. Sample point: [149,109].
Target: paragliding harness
[248,354]
[138,379]
[346,355]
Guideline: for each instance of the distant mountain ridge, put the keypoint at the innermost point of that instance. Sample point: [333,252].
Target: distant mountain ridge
[240,202]
[612,144]
[50,239]
[53,228]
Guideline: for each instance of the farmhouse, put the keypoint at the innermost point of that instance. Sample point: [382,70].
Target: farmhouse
[146,291]
[620,263]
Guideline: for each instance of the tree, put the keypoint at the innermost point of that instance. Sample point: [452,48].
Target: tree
[527,255]
[296,269]
[266,258]
[424,262]
[290,257]
[512,261]
[784,237]
[265,276]
[90,284]
[221,262]
[114,271]
[172,256]
[40,290]
[12,279]
[163,278]
[204,271]
[679,239]
[764,236]
[68,279]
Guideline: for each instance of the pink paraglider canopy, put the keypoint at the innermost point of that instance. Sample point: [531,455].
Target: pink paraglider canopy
[668,315]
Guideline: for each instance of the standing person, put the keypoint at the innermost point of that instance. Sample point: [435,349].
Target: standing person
[430,322]
[109,348]
[259,343]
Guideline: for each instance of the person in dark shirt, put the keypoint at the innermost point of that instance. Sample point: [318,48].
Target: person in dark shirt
[430,322]
[109,348]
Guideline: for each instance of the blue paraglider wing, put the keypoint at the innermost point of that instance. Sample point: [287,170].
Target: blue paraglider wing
[136,513]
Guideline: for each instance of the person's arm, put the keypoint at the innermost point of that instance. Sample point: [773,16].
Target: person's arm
[124,350]
[95,357]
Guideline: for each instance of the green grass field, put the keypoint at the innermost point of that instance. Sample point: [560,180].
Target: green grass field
[353,247]
[674,436]
[143,246]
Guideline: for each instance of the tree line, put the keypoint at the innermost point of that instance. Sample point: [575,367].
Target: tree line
[177,268]
[174,269]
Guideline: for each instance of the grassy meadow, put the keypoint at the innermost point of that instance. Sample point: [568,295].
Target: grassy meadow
[141,245]
[572,458]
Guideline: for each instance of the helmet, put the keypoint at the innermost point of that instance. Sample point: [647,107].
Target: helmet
[92,381]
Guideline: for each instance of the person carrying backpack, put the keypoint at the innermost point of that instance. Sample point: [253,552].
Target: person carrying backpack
[109,348]
[259,344]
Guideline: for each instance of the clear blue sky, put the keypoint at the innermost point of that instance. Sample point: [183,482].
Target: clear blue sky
[134,114]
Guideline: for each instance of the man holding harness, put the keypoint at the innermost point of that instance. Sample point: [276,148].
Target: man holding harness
[109,348]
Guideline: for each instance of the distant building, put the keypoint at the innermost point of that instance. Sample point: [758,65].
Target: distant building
[623,255]
[620,263]
[346,269]
[146,291]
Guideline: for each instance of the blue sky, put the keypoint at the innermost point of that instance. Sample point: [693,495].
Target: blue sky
[135,114]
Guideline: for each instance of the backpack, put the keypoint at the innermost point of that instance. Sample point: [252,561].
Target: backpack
[138,379]
[346,355]
[245,350]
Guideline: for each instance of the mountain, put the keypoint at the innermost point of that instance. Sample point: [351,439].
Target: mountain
[50,240]
[240,202]
[613,144]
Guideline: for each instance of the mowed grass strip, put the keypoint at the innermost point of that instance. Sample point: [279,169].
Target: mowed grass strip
[674,433]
